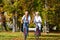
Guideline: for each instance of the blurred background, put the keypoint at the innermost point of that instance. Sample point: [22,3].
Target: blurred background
[11,12]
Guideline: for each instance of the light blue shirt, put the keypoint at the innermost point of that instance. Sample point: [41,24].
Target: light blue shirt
[24,19]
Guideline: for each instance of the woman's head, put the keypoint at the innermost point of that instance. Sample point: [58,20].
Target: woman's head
[26,13]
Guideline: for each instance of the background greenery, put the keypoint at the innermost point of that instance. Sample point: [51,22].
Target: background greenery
[49,10]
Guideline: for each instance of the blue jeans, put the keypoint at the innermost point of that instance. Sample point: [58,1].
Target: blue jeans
[25,28]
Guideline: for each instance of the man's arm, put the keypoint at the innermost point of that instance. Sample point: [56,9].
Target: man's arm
[40,19]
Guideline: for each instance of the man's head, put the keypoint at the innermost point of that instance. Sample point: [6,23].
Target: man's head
[36,13]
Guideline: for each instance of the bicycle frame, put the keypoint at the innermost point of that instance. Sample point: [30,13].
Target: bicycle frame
[25,31]
[37,32]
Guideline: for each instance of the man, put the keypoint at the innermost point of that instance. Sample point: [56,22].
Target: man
[37,21]
[26,22]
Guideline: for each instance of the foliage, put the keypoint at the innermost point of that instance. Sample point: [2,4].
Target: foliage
[50,13]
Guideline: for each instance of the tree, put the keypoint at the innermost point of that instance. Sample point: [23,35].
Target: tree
[49,9]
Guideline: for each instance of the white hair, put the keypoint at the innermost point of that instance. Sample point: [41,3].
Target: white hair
[36,13]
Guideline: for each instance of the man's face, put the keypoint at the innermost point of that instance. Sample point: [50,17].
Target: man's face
[37,13]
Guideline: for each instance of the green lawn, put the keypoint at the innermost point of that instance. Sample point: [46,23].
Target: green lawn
[31,36]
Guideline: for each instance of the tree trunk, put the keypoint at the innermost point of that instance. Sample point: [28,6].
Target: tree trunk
[14,24]
[45,28]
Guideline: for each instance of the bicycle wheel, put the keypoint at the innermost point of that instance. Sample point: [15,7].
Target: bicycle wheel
[37,33]
[25,34]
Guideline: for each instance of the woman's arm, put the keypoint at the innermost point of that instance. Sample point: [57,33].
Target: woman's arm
[22,19]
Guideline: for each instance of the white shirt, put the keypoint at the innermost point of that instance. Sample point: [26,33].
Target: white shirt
[37,19]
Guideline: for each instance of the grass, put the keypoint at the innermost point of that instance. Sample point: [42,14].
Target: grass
[10,35]
[31,36]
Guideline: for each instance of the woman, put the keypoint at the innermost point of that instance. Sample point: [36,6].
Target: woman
[37,21]
[26,22]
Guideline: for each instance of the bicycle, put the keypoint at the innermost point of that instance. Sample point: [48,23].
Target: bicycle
[25,31]
[37,32]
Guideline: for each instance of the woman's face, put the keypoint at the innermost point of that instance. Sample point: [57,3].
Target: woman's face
[26,13]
